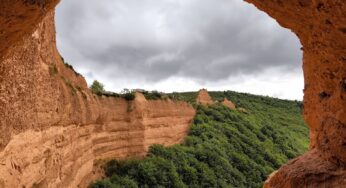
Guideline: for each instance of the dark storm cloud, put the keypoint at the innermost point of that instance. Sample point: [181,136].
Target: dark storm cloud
[153,40]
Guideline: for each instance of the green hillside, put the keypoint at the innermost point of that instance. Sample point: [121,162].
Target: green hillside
[224,148]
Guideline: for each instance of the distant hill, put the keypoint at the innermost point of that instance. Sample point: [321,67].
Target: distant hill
[224,148]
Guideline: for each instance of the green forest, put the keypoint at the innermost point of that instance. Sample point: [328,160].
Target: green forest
[224,147]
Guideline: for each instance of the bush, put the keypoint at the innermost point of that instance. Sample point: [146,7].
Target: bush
[123,182]
[152,95]
[111,94]
[102,184]
[97,88]
[129,96]
[69,66]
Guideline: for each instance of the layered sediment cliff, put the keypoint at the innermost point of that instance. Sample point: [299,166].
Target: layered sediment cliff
[64,155]
[46,122]
[53,129]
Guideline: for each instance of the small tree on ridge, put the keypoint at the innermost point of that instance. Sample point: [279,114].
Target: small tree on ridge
[97,87]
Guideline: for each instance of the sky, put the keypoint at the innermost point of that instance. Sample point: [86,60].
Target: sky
[180,45]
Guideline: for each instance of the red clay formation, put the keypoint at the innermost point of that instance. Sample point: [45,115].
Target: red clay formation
[52,128]
[229,104]
[204,98]
[321,28]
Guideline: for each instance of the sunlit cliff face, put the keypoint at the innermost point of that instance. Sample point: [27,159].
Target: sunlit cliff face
[180,45]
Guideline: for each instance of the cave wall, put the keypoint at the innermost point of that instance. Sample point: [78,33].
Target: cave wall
[321,28]
[32,101]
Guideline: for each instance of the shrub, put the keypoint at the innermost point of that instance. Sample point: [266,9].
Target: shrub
[123,182]
[102,184]
[97,88]
[69,66]
[152,95]
[129,96]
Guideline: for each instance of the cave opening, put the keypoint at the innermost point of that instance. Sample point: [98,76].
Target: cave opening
[28,94]
[181,46]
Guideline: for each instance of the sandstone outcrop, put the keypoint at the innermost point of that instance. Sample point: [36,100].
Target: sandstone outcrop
[229,104]
[35,105]
[53,129]
[204,98]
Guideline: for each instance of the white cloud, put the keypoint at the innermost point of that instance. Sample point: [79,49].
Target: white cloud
[180,45]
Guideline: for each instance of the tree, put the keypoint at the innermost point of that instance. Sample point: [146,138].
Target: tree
[97,87]
[129,96]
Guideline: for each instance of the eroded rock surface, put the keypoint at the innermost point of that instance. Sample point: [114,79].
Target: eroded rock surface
[64,155]
[53,129]
[47,122]
[229,104]
[204,98]
[321,28]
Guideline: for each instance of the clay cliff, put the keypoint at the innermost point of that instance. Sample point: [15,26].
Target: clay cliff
[64,155]
[204,98]
[229,104]
[53,129]
[321,27]
[47,124]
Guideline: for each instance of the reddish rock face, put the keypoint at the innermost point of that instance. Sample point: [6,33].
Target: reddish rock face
[204,98]
[52,128]
[53,114]
[18,20]
[321,28]
[229,104]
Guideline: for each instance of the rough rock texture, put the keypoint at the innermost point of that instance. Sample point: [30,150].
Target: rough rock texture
[204,98]
[64,156]
[35,105]
[229,104]
[53,129]
[321,28]
[19,18]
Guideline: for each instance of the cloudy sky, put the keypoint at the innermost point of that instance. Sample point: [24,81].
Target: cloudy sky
[180,45]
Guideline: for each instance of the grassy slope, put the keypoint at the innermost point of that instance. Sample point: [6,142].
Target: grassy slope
[224,148]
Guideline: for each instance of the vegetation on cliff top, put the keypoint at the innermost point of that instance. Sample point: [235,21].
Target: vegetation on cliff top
[97,88]
[224,148]
[70,66]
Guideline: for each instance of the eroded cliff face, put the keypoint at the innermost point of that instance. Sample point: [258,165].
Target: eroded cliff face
[49,124]
[321,28]
[204,98]
[64,155]
[229,104]
[53,129]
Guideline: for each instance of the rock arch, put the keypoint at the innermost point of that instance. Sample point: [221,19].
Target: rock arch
[320,26]
[27,29]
